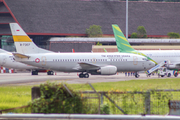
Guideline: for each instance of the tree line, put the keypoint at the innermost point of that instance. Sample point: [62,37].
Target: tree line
[96,31]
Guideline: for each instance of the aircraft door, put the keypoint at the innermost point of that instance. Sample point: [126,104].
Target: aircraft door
[43,60]
[94,60]
[3,60]
[135,60]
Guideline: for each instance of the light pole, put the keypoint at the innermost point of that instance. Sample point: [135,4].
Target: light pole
[127,19]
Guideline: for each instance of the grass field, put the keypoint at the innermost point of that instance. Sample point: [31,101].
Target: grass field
[140,85]
[16,96]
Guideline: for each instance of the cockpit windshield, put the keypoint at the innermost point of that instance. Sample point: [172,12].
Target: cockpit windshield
[145,59]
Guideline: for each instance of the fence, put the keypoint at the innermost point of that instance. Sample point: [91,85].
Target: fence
[150,102]
[114,102]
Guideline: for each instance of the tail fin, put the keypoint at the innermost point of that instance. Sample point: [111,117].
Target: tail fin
[105,50]
[23,43]
[123,44]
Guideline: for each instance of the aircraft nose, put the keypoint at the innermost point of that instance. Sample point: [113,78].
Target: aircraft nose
[151,64]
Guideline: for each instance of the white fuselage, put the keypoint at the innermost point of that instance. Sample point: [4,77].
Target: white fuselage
[161,55]
[72,62]
[7,60]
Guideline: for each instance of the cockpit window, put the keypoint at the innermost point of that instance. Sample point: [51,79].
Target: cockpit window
[145,59]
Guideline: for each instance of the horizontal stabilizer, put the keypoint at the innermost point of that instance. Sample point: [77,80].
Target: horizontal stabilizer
[156,67]
[21,55]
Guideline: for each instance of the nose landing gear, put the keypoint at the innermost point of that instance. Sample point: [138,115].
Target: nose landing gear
[137,75]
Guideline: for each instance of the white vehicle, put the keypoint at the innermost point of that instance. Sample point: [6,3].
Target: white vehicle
[158,56]
[93,63]
[163,71]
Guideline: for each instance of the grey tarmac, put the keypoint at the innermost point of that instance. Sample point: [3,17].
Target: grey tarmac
[70,78]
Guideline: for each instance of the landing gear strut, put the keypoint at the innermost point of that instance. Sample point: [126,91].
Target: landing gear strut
[81,75]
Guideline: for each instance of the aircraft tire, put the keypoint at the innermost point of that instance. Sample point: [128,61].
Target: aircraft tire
[34,73]
[175,75]
[81,75]
[137,76]
[50,73]
[162,75]
[86,75]
[169,75]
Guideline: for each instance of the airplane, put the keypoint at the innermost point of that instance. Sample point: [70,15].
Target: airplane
[169,58]
[93,63]
[7,60]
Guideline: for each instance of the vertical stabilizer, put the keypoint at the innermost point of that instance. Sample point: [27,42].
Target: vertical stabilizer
[121,41]
[123,44]
[22,41]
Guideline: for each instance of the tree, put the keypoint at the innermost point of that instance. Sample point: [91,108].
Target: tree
[94,31]
[134,35]
[141,32]
[173,35]
[98,43]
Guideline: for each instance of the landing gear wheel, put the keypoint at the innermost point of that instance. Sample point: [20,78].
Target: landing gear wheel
[81,75]
[34,72]
[162,75]
[169,75]
[50,73]
[137,75]
[86,75]
[176,74]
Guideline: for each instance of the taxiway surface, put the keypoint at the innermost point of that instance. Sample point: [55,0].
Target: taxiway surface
[71,78]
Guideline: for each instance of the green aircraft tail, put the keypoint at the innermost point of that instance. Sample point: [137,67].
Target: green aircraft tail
[123,44]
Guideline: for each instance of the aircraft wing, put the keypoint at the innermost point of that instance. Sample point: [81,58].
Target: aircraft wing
[20,55]
[88,66]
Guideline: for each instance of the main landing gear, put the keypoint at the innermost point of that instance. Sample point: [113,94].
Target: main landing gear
[50,73]
[34,72]
[81,75]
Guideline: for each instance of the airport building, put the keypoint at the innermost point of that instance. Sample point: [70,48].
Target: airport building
[43,20]
[58,44]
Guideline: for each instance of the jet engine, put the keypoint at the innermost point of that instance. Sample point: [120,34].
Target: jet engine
[108,70]
[173,66]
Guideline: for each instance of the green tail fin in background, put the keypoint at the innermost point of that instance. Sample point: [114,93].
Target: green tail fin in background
[105,50]
[123,44]
[121,41]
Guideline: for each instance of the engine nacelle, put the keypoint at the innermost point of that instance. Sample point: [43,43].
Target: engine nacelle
[173,66]
[108,70]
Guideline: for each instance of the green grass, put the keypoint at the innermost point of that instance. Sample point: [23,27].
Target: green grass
[141,85]
[16,96]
